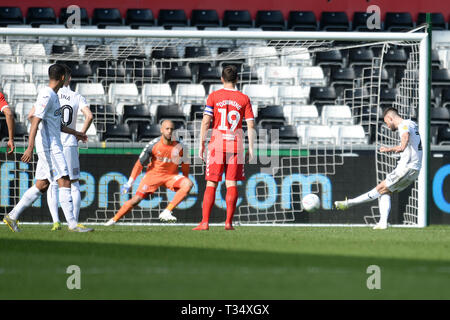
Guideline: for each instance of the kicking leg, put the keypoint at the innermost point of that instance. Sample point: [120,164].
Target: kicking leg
[373,194]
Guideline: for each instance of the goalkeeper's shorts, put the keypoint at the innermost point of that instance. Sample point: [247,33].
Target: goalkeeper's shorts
[151,182]
[401,178]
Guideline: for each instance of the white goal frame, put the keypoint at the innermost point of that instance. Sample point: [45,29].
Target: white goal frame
[420,37]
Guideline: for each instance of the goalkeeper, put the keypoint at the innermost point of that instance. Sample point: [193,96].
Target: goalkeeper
[164,155]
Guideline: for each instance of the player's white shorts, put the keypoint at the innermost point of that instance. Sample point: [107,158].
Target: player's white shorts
[73,162]
[51,166]
[401,178]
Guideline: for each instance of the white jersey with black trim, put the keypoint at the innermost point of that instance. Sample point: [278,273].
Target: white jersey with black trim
[411,157]
[47,108]
[71,102]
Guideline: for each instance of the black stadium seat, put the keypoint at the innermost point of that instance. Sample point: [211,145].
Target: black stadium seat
[334,21]
[139,18]
[196,112]
[440,116]
[147,132]
[171,112]
[208,75]
[320,96]
[437,20]
[10,15]
[360,22]
[237,19]
[445,99]
[64,48]
[205,18]
[136,114]
[103,17]
[103,113]
[329,58]
[387,97]
[117,133]
[84,18]
[172,18]
[443,136]
[270,114]
[40,15]
[302,21]
[398,21]
[287,134]
[270,20]
[440,77]
[81,72]
[20,130]
[360,57]
[178,74]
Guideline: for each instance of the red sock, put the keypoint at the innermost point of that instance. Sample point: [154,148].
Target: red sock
[231,199]
[208,201]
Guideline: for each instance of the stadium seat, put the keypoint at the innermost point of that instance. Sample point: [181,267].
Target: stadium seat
[137,113]
[329,58]
[440,116]
[215,87]
[84,18]
[234,19]
[81,72]
[20,130]
[293,95]
[295,57]
[387,97]
[153,93]
[39,73]
[302,21]
[111,74]
[280,75]
[139,18]
[178,74]
[316,135]
[443,136]
[395,57]
[205,18]
[272,20]
[342,78]
[123,92]
[166,53]
[334,21]
[301,114]
[287,134]
[437,20]
[322,95]
[196,112]
[32,52]
[208,75]
[262,56]
[336,115]
[172,18]
[359,22]
[398,21]
[445,97]
[10,16]
[131,52]
[361,57]
[348,135]
[103,17]
[93,92]
[12,72]
[311,76]
[259,94]
[40,15]
[103,114]
[20,92]
[22,109]
[6,54]
[148,132]
[64,49]
[190,93]
[117,133]
[198,52]
[270,114]
[172,112]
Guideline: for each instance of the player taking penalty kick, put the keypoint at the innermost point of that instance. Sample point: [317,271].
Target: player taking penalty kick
[226,108]
[406,172]
[164,156]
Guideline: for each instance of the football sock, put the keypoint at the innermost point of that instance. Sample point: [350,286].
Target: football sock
[384,205]
[127,206]
[366,197]
[27,200]
[65,200]
[179,196]
[76,198]
[231,199]
[52,201]
[208,201]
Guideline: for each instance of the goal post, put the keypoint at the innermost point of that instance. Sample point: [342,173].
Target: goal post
[307,160]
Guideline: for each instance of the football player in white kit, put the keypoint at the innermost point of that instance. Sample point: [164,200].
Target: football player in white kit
[70,102]
[406,172]
[45,134]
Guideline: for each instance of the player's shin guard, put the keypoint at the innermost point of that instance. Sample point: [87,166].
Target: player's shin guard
[366,197]
[76,198]
[127,206]
[384,205]
[27,200]
[52,201]
[65,199]
[231,199]
[208,201]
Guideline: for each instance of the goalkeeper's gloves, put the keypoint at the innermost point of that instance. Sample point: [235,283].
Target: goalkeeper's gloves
[126,187]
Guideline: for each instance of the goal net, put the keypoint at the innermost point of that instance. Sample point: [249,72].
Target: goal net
[317,99]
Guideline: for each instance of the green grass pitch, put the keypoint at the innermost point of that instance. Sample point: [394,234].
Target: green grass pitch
[173,262]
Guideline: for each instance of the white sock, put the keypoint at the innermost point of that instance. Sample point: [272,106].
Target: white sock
[384,205]
[366,197]
[76,198]
[65,199]
[52,201]
[30,196]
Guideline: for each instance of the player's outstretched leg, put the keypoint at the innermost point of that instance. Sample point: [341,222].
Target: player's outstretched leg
[366,197]
[208,201]
[185,186]
[127,207]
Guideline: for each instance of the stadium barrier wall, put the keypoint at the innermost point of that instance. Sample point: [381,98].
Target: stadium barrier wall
[103,172]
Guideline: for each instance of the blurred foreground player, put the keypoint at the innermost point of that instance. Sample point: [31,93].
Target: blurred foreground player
[164,155]
[9,122]
[226,108]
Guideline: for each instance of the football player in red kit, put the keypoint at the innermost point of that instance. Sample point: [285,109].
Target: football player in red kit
[9,122]
[226,108]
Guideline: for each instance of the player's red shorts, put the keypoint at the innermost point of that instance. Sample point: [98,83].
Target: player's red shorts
[151,182]
[231,163]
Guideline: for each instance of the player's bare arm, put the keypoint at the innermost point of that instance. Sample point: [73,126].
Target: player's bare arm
[251,138]
[10,124]
[206,121]
[88,118]
[400,148]
[31,139]
[79,135]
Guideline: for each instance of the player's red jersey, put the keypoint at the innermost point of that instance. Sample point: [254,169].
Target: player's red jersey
[228,108]
[3,102]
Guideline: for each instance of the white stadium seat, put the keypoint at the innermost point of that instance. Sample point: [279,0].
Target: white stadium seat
[259,94]
[301,114]
[20,92]
[293,95]
[317,134]
[262,56]
[123,92]
[93,92]
[190,93]
[12,72]
[332,115]
[6,54]
[153,93]
[280,75]
[215,87]
[22,109]
[346,135]
[32,52]
[311,76]
[295,57]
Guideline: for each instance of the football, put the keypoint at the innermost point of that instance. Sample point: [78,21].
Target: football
[311,202]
